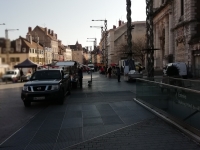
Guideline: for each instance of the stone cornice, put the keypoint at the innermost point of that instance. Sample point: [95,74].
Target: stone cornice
[158,10]
[183,23]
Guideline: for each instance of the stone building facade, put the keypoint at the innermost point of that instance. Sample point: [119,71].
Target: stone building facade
[77,52]
[118,37]
[177,32]
[47,38]
[20,50]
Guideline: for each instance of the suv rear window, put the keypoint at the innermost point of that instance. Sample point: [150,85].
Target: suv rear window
[46,74]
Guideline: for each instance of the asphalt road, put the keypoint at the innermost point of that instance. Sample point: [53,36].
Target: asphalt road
[13,114]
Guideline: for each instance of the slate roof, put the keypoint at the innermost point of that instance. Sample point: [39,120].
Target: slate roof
[33,45]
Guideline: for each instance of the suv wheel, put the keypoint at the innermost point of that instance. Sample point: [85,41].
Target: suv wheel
[27,104]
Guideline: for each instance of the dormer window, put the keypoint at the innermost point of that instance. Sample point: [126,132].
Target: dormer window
[24,50]
[11,50]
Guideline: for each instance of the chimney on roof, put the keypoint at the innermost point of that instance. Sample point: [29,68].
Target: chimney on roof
[120,23]
[49,31]
[114,27]
[56,36]
[29,29]
[52,32]
[29,38]
[46,31]
[59,42]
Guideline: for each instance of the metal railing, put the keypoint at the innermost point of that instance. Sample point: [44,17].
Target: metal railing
[175,98]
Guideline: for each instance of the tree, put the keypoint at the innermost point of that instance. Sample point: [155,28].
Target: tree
[137,49]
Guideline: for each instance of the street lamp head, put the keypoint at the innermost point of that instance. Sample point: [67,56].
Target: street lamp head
[92,20]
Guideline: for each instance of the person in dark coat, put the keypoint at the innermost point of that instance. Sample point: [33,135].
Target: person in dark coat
[80,76]
[109,71]
[118,74]
[21,74]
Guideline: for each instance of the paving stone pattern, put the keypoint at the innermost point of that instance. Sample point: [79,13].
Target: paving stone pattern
[150,134]
[103,116]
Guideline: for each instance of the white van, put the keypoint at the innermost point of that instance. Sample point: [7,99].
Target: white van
[11,75]
[181,66]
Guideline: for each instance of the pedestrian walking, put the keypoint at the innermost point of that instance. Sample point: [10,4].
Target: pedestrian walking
[80,76]
[118,74]
[109,71]
[21,74]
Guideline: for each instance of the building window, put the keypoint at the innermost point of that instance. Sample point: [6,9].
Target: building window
[12,59]
[11,50]
[24,50]
[30,51]
[182,7]
[17,59]
[3,60]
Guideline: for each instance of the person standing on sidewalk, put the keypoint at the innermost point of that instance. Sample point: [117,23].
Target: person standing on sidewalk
[21,74]
[80,76]
[109,71]
[118,74]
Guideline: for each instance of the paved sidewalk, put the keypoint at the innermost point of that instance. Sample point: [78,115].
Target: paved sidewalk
[103,116]
[150,134]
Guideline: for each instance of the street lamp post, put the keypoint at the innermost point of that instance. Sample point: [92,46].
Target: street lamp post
[106,36]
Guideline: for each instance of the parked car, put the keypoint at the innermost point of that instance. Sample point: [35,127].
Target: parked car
[182,67]
[133,74]
[11,75]
[46,85]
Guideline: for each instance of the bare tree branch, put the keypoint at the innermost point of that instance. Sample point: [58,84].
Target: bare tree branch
[137,49]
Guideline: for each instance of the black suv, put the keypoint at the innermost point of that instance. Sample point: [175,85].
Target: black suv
[46,85]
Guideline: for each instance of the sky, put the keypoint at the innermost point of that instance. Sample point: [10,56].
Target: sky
[70,19]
